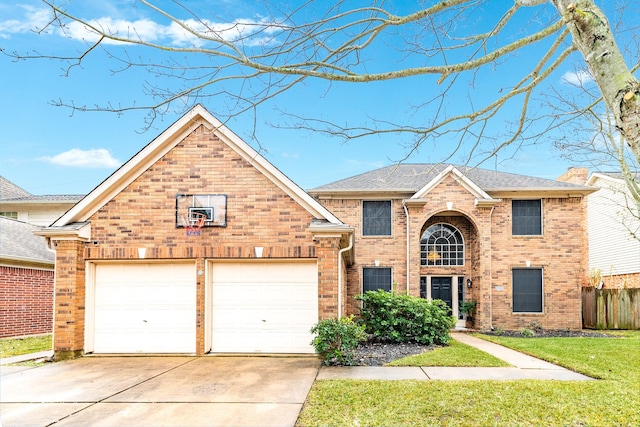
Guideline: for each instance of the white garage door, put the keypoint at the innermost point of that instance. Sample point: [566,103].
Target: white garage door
[145,308]
[264,307]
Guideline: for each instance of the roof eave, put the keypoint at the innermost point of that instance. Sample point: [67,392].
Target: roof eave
[13,261]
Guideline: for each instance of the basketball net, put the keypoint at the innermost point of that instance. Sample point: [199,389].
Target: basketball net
[193,223]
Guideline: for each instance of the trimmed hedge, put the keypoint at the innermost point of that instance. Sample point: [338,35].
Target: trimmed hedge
[404,318]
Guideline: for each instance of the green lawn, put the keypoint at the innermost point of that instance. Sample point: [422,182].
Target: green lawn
[612,401]
[17,346]
[456,354]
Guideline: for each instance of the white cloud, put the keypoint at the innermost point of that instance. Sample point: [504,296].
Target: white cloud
[97,158]
[142,29]
[34,20]
[145,29]
[577,78]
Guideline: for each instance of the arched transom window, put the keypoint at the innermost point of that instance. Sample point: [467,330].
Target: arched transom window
[441,244]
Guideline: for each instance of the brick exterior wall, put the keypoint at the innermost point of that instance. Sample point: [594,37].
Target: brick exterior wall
[259,213]
[27,301]
[491,252]
[69,314]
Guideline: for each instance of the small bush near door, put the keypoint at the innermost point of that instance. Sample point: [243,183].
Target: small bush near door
[404,318]
[337,339]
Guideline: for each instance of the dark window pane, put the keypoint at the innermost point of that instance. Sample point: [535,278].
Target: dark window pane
[376,218]
[527,290]
[526,217]
[376,278]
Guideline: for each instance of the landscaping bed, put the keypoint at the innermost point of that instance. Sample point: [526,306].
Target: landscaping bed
[549,333]
[371,353]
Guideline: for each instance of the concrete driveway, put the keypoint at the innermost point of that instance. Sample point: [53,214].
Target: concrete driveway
[158,391]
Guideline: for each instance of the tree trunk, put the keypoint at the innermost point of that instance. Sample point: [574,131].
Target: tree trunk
[620,89]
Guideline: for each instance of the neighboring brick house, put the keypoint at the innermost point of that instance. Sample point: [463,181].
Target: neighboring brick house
[614,233]
[26,264]
[26,280]
[513,243]
[271,260]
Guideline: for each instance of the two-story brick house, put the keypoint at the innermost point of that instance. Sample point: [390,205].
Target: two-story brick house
[270,260]
[512,243]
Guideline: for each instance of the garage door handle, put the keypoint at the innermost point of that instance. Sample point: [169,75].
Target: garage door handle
[264,320]
[144,321]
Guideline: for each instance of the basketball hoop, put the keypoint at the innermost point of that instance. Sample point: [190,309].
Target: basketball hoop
[193,223]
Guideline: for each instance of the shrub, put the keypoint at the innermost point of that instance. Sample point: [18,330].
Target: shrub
[404,318]
[337,339]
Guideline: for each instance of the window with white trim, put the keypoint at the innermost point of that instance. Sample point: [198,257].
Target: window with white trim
[527,290]
[442,245]
[12,215]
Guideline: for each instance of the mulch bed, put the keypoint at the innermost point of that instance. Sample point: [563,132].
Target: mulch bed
[378,353]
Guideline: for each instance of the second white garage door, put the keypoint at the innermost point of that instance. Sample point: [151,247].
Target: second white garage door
[264,307]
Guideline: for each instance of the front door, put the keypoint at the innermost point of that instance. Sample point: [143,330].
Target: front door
[441,289]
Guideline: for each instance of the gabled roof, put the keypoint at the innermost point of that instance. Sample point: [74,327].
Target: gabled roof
[459,177]
[411,178]
[614,176]
[166,141]
[9,190]
[19,244]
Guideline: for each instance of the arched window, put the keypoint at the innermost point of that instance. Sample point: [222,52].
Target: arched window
[441,244]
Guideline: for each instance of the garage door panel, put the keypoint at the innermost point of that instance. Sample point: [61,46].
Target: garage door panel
[145,308]
[264,307]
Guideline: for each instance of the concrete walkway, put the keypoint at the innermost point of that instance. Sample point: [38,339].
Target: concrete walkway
[524,367]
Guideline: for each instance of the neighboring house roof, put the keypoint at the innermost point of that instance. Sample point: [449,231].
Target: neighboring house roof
[610,175]
[19,244]
[8,190]
[412,177]
[166,141]
[10,194]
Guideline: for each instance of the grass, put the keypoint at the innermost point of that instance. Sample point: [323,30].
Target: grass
[456,354]
[25,345]
[604,358]
[612,401]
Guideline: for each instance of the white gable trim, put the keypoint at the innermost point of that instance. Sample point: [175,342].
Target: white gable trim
[465,182]
[595,177]
[164,143]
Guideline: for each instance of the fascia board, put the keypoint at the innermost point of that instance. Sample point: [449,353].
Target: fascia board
[537,193]
[26,262]
[593,179]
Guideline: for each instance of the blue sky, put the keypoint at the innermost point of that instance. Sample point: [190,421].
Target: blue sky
[52,150]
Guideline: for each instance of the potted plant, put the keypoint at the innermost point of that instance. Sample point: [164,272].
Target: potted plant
[468,307]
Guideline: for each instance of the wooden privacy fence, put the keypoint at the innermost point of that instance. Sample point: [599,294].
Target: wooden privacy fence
[611,308]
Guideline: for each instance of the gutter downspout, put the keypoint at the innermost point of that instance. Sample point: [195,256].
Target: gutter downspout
[491,268]
[406,215]
[340,252]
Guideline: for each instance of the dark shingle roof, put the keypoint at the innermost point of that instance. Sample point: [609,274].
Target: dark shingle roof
[412,177]
[18,242]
